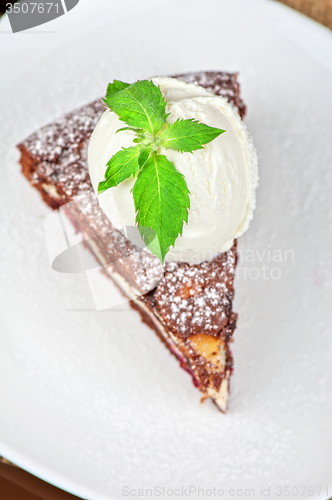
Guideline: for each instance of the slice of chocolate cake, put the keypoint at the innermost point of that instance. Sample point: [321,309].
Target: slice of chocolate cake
[188,305]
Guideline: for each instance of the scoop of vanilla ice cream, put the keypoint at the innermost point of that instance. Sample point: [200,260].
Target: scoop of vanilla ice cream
[221,178]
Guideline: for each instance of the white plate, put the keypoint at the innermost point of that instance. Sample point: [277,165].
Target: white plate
[93,402]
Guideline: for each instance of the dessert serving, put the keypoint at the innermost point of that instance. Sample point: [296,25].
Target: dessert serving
[185,170]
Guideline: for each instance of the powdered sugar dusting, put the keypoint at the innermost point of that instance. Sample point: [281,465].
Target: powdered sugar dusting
[224,84]
[197,298]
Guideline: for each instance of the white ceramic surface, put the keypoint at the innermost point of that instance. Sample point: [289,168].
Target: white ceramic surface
[92,401]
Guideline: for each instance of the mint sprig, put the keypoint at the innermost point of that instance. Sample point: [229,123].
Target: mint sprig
[160,192]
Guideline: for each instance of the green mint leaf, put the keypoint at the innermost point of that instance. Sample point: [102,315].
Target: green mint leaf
[121,166]
[188,135]
[161,200]
[139,105]
[115,87]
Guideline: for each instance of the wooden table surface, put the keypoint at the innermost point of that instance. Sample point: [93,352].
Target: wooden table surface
[17,484]
[319,10]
